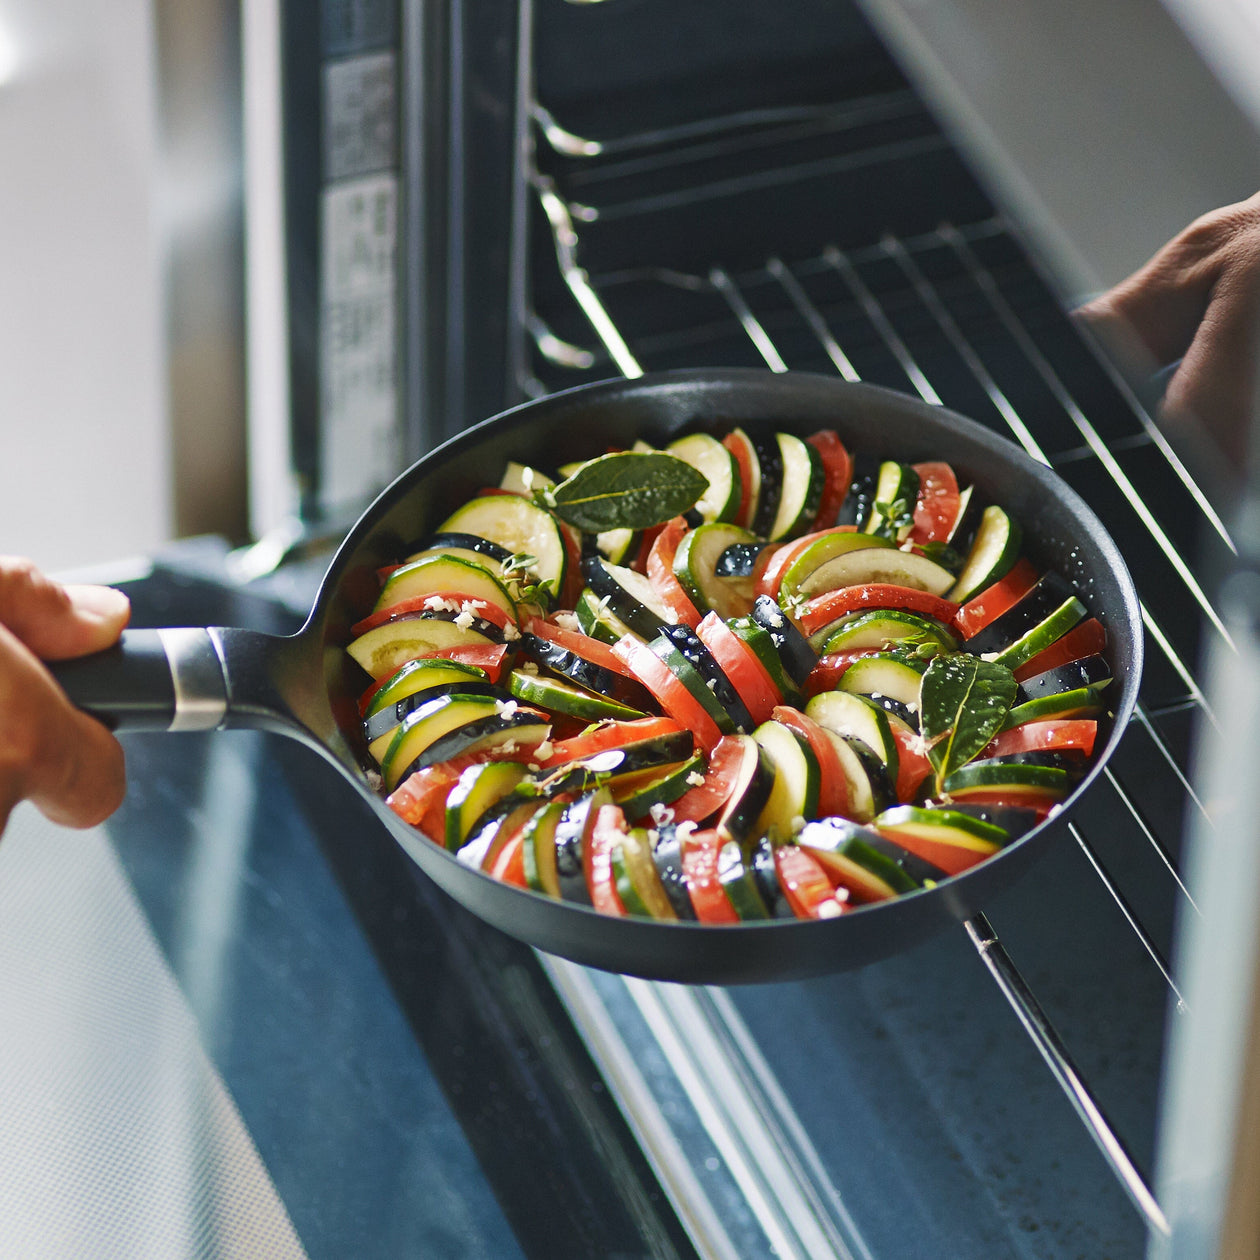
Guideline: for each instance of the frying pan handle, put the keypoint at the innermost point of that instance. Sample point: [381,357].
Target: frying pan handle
[150,680]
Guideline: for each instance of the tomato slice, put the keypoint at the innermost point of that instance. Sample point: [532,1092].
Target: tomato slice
[772,576]
[606,735]
[700,869]
[837,473]
[609,829]
[739,446]
[825,608]
[741,665]
[936,508]
[1087,639]
[805,884]
[482,608]
[833,786]
[509,866]
[672,696]
[700,802]
[1053,735]
[913,765]
[826,675]
[994,600]
[639,563]
[420,799]
[660,572]
[579,644]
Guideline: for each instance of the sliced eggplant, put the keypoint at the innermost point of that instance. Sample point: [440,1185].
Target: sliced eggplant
[770,463]
[766,873]
[695,683]
[1092,672]
[572,837]
[667,854]
[739,559]
[751,788]
[629,596]
[715,680]
[793,647]
[860,500]
[575,668]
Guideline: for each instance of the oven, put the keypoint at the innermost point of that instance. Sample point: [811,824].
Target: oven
[483,201]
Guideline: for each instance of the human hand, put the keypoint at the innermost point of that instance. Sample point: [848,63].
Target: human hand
[51,753]
[1197,300]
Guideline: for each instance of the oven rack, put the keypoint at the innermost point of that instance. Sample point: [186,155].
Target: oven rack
[892,304]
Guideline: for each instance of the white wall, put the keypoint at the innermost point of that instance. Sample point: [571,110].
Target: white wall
[83,435]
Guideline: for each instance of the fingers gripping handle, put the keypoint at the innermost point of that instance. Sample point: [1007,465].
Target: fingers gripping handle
[151,680]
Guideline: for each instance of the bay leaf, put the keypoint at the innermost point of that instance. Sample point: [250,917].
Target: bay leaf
[626,490]
[963,701]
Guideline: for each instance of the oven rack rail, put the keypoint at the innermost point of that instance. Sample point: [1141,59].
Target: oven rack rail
[592,297]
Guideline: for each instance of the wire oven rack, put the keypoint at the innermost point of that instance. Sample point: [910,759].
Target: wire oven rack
[958,314]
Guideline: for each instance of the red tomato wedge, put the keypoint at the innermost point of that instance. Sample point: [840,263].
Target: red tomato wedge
[672,696]
[826,675]
[740,664]
[913,765]
[606,735]
[772,576]
[805,884]
[825,608]
[936,508]
[426,603]
[660,572]
[698,803]
[609,829]
[1054,735]
[700,869]
[833,786]
[837,473]
[740,447]
[994,600]
[420,799]
[1087,639]
[579,644]
[509,866]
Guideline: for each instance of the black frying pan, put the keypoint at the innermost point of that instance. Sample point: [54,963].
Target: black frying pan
[307,687]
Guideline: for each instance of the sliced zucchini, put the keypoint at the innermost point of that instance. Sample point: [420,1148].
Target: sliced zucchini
[419,676]
[638,883]
[696,563]
[1047,595]
[800,490]
[820,552]
[951,839]
[618,765]
[793,647]
[758,640]
[992,554]
[695,683]
[1028,775]
[872,564]
[619,546]
[859,718]
[794,796]
[897,677]
[661,787]
[466,547]
[519,526]
[750,473]
[720,502]
[873,780]
[963,531]
[896,492]
[863,861]
[379,729]
[1080,702]
[880,628]
[476,790]
[524,479]
[499,824]
[565,697]
[598,620]
[540,849]
[385,648]
[445,574]
[740,883]
[631,597]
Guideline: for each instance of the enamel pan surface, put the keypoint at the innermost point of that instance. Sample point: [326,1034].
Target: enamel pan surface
[1060,532]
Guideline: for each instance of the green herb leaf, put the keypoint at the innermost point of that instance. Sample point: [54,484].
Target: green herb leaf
[628,490]
[963,701]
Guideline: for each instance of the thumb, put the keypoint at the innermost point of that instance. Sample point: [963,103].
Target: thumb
[56,621]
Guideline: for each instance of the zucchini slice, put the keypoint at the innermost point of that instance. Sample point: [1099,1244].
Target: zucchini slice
[800,490]
[886,675]
[663,787]
[576,669]
[598,621]
[502,821]
[519,526]
[565,697]
[1029,775]
[992,554]
[720,502]
[379,729]
[629,595]
[863,861]
[794,795]
[694,681]
[696,564]
[1080,702]
[385,648]
[540,849]
[949,838]
[818,553]
[478,789]
[638,883]
[896,492]
[739,882]
[872,564]
[758,640]
[447,574]
[880,628]
[1033,622]
[857,718]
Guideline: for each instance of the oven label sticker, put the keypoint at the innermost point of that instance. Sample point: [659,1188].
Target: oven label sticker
[360,102]
[360,446]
